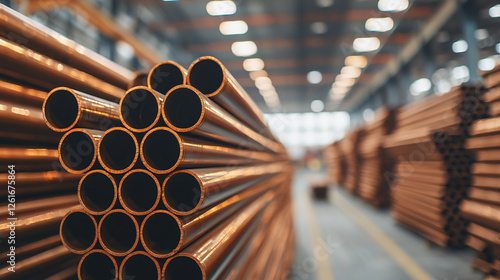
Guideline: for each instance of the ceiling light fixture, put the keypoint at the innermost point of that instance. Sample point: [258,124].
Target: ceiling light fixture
[379,24]
[253,64]
[366,44]
[359,61]
[350,71]
[255,74]
[244,48]
[314,77]
[393,5]
[221,8]
[317,106]
[459,46]
[233,27]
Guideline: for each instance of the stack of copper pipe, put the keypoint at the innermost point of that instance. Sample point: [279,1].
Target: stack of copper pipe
[432,173]
[335,163]
[482,207]
[182,179]
[35,59]
[375,163]
[349,148]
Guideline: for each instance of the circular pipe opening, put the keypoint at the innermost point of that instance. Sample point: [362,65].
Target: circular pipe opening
[97,192]
[97,265]
[77,151]
[118,232]
[78,232]
[182,108]
[139,192]
[139,109]
[161,150]
[161,234]
[117,150]
[139,266]
[165,76]
[61,109]
[206,75]
[182,192]
[184,268]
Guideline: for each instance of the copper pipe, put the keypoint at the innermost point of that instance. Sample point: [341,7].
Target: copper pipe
[38,158]
[97,192]
[163,150]
[97,264]
[41,182]
[140,79]
[481,213]
[209,76]
[204,256]
[37,204]
[164,234]
[48,74]
[66,108]
[166,75]
[35,267]
[21,94]
[118,150]
[139,192]
[19,117]
[33,248]
[187,191]
[42,39]
[185,109]
[118,233]
[78,231]
[139,265]
[78,149]
[65,274]
[13,135]
[140,108]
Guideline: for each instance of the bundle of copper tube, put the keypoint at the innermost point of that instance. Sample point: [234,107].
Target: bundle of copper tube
[335,162]
[349,147]
[111,148]
[433,168]
[182,179]
[482,207]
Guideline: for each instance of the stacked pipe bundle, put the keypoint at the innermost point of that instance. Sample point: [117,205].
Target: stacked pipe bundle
[36,191]
[375,163]
[187,182]
[482,207]
[432,173]
[349,148]
[335,163]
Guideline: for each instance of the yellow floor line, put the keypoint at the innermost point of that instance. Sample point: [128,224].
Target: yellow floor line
[404,261]
[324,272]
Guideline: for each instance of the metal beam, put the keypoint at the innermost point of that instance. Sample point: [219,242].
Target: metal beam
[430,29]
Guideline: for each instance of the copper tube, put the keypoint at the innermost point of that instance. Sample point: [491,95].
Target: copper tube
[37,204]
[33,248]
[481,213]
[28,156]
[118,150]
[163,150]
[19,117]
[78,231]
[140,79]
[139,192]
[13,135]
[163,234]
[48,74]
[209,76]
[140,108]
[185,109]
[139,265]
[97,192]
[118,233]
[42,39]
[41,182]
[66,108]
[36,266]
[78,149]
[97,264]
[21,94]
[166,75]
[187,191]
[65,274]
[204,256]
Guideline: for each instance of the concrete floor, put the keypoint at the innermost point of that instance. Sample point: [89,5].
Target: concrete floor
[345,239]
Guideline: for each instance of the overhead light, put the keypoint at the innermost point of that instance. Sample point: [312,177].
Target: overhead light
[244,48]
[268,92]
[486,64]
[459,46]
[343,77]
[419,86]
[368,115]
[314,77]
[359,61]
[481,34]
[379,24]
[233,27]
[460,73]
[366,44]
[442,87]
[319,27]
[339,90]
[221,8]
[317,106]
[350,71]
[253,64]
[125,50]
[344,83]
[324,3]
[393,5]
[255,74]
[494,11]
[263,83]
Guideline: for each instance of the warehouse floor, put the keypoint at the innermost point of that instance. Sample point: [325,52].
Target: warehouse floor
[345,239]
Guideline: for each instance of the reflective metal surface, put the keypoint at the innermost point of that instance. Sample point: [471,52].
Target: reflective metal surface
[78,231]
[166,75]
[140,109]
[78,149]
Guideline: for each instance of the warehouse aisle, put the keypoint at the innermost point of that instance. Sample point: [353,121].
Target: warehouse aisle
[345,239]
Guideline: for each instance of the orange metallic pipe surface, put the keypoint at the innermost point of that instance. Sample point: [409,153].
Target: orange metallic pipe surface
[140,79]
[41,183]
[97,192]
[97,264]
[78,231]
[165,75]
[118,150]
[139,192]
[66,108]
[140,108]
[118,233]
[18,93]
[139,265]
[78,149]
